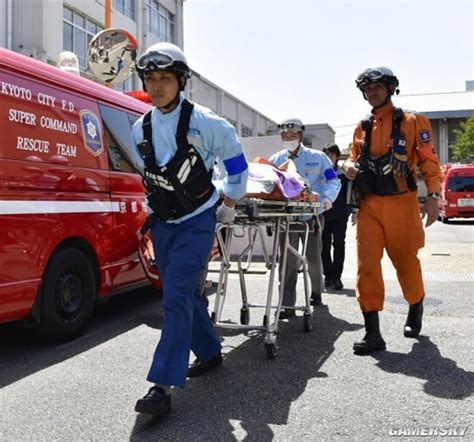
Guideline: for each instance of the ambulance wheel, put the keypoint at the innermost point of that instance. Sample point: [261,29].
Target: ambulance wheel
[307,324]
[244,316]
[68,294]
[271,350]
[444,220]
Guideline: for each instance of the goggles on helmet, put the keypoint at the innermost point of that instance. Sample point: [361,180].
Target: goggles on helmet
[374,75]
[155,60]
[370,75]
[290,127]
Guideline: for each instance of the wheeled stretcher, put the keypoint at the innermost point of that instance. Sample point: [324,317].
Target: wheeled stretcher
[275,217]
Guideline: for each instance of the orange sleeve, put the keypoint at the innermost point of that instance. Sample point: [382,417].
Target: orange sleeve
[357,142]
[427,159]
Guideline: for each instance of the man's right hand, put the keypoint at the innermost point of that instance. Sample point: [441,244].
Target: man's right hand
[350,170]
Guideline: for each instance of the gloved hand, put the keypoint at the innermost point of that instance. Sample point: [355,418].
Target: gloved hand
[225,214]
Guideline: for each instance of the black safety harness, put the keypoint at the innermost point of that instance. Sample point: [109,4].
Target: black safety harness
[378,175]
[183,184]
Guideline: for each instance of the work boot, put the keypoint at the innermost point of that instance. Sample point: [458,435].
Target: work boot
[413,325]
[372,340]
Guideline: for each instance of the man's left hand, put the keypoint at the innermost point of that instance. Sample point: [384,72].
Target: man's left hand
[430,210]
[326,204]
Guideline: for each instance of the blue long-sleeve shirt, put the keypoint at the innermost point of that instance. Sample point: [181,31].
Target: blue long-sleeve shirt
[316,168]
[212,136]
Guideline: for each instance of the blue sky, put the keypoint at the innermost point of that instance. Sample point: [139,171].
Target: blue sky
[300,57]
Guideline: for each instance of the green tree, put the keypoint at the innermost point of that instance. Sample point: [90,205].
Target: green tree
[463,146]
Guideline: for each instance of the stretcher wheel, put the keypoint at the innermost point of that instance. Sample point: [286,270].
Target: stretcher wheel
[213,317]
[271,350]
[307,324]
[244,316]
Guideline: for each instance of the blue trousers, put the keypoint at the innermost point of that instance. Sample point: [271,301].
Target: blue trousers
[181,253]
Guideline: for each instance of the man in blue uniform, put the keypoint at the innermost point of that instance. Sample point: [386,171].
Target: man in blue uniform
[335,226]
[316,169]
[177,145]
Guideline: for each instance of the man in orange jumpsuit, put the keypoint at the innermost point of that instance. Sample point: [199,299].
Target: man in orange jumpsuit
[387,150]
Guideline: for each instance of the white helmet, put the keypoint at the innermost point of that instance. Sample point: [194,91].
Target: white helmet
[164,56]
[291,125]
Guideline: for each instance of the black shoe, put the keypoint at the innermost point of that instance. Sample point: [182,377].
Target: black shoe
[315,299]
[372,341]
[198,367]
[328,282]
[287,313]
[155,402]
[337,284]
[413,325]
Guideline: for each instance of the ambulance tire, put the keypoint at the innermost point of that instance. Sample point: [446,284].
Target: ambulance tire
[68,295]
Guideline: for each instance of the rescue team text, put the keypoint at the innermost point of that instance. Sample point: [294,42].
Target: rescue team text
[18,116]
[25,94]
[42,146]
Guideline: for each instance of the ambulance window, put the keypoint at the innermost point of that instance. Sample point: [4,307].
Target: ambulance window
[118,133]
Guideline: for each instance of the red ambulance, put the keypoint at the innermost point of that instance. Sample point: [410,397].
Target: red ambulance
[457,192]
[70,203]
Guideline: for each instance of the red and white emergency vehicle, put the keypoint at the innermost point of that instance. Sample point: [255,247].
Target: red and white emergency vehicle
[457,192]
[70,203]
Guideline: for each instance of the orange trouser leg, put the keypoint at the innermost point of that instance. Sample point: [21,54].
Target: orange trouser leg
[391,222]
[404,236]
[370,244]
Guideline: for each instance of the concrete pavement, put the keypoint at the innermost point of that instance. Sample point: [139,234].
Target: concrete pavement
[315,389]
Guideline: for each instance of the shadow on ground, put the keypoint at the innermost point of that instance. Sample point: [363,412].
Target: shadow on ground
[23,351]
[444,379]
[250,392]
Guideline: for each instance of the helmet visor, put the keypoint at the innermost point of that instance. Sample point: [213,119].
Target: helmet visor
[154,60]
[290,127]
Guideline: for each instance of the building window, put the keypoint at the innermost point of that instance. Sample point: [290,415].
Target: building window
[160,21]
[246,131]
[126,7]
[78,31]
[233,122]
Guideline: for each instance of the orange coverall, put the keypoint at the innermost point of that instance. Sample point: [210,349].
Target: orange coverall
[393,222]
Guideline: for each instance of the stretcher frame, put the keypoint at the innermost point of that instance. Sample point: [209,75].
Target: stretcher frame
[278,217]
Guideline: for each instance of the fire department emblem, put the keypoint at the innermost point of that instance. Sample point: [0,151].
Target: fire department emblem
[91,132]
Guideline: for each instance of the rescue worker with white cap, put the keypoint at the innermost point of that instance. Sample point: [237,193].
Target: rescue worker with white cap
[387,150]
[317,170]
[178,143]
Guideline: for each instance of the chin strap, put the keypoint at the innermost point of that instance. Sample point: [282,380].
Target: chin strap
[171,105]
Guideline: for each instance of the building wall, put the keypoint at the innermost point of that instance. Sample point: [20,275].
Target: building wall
[35,28]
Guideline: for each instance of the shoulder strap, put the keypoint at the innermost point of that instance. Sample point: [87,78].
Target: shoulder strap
[366,124]
[146,126]
[146,147]
[183,124]
[397,117]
